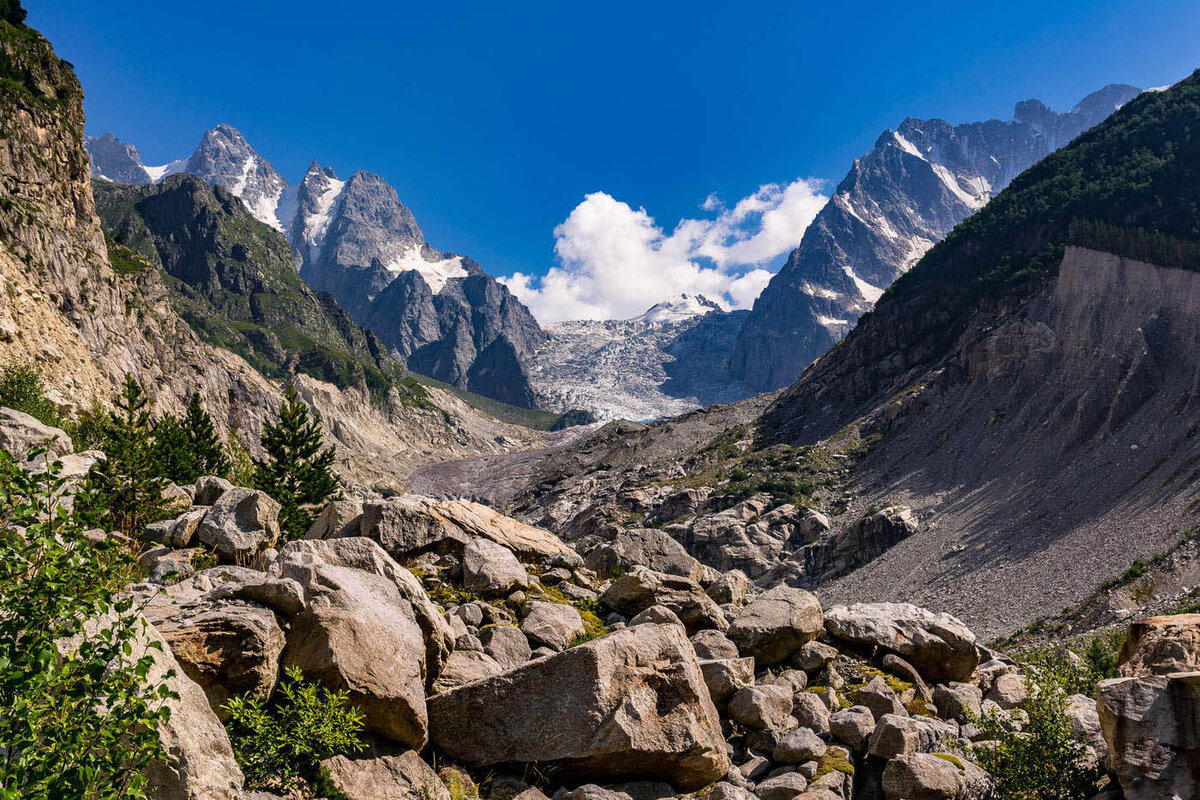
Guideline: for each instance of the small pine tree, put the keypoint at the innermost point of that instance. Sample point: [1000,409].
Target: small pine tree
[296,472]
[125,489]
[210,456]
[172,453]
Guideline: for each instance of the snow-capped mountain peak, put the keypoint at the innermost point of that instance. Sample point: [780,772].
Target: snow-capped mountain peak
[225,158]
[677,309]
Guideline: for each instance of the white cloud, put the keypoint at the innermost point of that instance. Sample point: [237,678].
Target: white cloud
[614,262]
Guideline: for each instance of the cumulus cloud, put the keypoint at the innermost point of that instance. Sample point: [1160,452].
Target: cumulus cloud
[615,261]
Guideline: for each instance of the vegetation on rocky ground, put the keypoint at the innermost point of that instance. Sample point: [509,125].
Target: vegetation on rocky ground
[1038,756]
[23,389]
[80,706]
[279,743]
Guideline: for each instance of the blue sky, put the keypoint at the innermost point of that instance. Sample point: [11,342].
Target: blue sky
[495,120]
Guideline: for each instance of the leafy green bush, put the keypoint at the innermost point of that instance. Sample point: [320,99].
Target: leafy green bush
[78,721]
[297,471]
[1039,759]
[22,389]
[279,744]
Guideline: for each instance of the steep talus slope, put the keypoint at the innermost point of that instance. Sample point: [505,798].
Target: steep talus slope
[1034,400]
[235,284]
[1028,391]
[917,183]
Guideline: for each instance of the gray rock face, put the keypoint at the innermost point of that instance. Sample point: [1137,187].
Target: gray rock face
[552,625]
[113,160]
[1149,726]
[402,777]
[224,158]
[1161,646]
[199,763]
[240,524]
[338,520]
[631,703]
[506,644]
[866,540]
[923,776]
[940,646]
[776,624]
[853,726]
[228,649]
[767,707]
[303,562]
[19,432]
[725,676]
[896,202]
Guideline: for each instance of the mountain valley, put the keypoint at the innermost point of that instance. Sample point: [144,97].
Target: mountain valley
[294,505]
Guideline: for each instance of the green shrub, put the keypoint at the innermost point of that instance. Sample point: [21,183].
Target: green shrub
[81,722]
[1040,759]
[280,744]
[22,389]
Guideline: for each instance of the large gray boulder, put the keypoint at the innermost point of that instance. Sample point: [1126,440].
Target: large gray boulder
[491,569]
[776,624]
[552,625]
[464,666]
[240,524]
[208,489]
[301,561]
[19,432]
[410,525]
[632,703]
[338,519]
[641,587]
[229,649]
[925,776]
[402,777]
[1149,725]
[1161,646]
[359,634]
[199,763]
[940,646]
[765,707]
[646,547]
[508,645]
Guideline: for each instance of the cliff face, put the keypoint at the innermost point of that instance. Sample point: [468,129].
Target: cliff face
[67,307]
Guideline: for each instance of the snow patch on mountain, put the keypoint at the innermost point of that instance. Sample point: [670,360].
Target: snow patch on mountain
[869,292]
[156,174]
[435,273]
[677,309]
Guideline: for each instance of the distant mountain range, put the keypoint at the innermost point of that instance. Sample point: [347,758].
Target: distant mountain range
[897,201]
[439,313]
[444,316]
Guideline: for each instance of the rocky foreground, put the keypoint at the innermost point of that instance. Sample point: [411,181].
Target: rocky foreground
[491,650]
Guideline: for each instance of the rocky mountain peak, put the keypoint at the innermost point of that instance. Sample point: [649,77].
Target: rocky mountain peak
[226,159]
[897,201]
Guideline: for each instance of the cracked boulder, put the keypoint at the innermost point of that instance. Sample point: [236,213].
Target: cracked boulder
[630,704]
